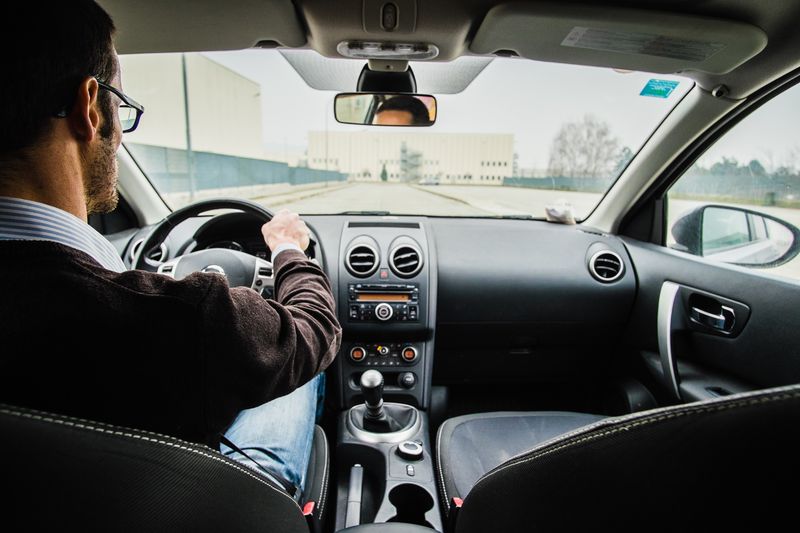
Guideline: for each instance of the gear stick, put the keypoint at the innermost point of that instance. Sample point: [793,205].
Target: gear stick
[375,418]
[372,389]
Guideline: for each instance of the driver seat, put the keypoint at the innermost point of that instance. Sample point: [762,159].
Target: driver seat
[65,473]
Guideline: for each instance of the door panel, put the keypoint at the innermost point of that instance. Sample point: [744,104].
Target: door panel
[761,347]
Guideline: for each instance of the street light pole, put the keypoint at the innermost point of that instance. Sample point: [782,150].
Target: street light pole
[189,153]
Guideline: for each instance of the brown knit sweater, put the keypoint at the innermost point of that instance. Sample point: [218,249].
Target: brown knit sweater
[145,351]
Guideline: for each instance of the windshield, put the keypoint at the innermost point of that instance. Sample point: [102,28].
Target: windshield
[522,135]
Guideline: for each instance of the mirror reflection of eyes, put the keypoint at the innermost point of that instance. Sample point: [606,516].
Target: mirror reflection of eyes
[384,109]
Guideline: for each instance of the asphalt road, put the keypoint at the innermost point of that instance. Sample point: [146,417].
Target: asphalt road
[442,200]
[397,198]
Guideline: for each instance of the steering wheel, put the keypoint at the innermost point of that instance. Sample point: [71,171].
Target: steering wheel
[241,269]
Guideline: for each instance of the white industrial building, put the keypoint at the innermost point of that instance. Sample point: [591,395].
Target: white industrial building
[457,158]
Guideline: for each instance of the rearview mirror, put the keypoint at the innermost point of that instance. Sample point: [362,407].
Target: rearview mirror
[385,109]
[737,236]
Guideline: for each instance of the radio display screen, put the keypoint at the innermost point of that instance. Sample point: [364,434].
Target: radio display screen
[381,297]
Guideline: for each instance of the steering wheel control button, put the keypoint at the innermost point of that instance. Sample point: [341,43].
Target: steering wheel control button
[407,380]
[409,354]
[358,353]
[410,451]
[383,311]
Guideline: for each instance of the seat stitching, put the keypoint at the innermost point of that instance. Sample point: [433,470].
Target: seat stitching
[640,422]
[73,422]
[324,492]
[446,502]
[94,424]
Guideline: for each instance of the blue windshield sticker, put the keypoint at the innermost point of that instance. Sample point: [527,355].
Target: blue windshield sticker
[659,88]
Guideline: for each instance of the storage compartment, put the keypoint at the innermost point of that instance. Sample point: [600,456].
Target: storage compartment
[376,485]
[374,480]
[412,502]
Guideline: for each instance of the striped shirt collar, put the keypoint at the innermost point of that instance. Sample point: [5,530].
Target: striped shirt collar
[33,221]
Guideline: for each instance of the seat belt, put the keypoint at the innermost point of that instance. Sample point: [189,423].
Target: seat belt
[287,485]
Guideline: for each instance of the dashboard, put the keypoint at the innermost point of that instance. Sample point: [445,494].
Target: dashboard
[448,300]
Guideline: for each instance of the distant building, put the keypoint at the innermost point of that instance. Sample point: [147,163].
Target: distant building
[447,158]
[224,106]
[225,123]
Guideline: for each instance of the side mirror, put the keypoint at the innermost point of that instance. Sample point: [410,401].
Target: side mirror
[737,236]
[385,109]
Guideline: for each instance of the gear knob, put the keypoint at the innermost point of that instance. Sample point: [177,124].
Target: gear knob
[372,389]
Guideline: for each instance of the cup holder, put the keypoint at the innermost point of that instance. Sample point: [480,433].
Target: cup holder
[411,503]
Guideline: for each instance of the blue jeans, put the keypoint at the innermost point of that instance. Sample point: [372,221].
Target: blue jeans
[278,434]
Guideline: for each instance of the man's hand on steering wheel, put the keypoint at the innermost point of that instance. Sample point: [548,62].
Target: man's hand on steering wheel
[285,228]
[240,269]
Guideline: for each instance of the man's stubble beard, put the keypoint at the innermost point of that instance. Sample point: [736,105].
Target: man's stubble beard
[100,187]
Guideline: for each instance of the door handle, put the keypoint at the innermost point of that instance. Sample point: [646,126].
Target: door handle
[724,321]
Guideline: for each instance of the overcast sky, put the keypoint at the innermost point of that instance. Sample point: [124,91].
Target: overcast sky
[528,99]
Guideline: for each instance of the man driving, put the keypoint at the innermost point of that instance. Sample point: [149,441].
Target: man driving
[193,358]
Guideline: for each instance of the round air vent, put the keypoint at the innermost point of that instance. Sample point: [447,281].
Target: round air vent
[361,260]
[160,254]
[606,266]
[405,260]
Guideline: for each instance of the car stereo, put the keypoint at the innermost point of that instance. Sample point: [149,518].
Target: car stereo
[383,302]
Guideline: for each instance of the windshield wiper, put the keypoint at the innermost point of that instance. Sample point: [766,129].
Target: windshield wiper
[520,217]
[370,213]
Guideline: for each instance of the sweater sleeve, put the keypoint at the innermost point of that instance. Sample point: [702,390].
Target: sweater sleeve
[256,350]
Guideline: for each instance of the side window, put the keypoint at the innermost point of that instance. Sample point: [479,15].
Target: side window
[740,202]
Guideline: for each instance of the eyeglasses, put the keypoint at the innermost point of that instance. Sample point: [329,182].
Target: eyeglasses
[130,111]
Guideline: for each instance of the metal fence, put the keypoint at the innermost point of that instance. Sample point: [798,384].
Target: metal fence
[168,169]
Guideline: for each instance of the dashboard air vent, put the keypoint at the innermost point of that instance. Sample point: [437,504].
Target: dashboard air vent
[405,260]
[361,260]
[159,254]
[606,266]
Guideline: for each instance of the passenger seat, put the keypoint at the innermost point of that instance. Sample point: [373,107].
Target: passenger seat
[726,463]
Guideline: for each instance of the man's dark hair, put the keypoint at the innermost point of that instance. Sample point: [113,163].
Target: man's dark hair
[49,48]
[410,104]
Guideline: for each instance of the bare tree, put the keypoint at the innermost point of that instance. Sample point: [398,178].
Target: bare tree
[584,149]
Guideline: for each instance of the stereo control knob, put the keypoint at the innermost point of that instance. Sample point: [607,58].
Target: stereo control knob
[383,311]
[409,354]
[357,354]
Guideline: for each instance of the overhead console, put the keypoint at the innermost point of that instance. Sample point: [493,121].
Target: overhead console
[386,308]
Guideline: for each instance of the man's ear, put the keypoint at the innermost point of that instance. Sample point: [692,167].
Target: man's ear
[84,120]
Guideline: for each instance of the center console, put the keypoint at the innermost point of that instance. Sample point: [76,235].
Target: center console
[386,282]
[387,287]
[385,468]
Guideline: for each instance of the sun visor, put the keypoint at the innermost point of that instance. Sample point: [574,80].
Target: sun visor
[146,26]
[622,38]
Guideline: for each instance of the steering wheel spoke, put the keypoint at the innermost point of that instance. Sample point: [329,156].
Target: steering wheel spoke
[264,278]
[168,268]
